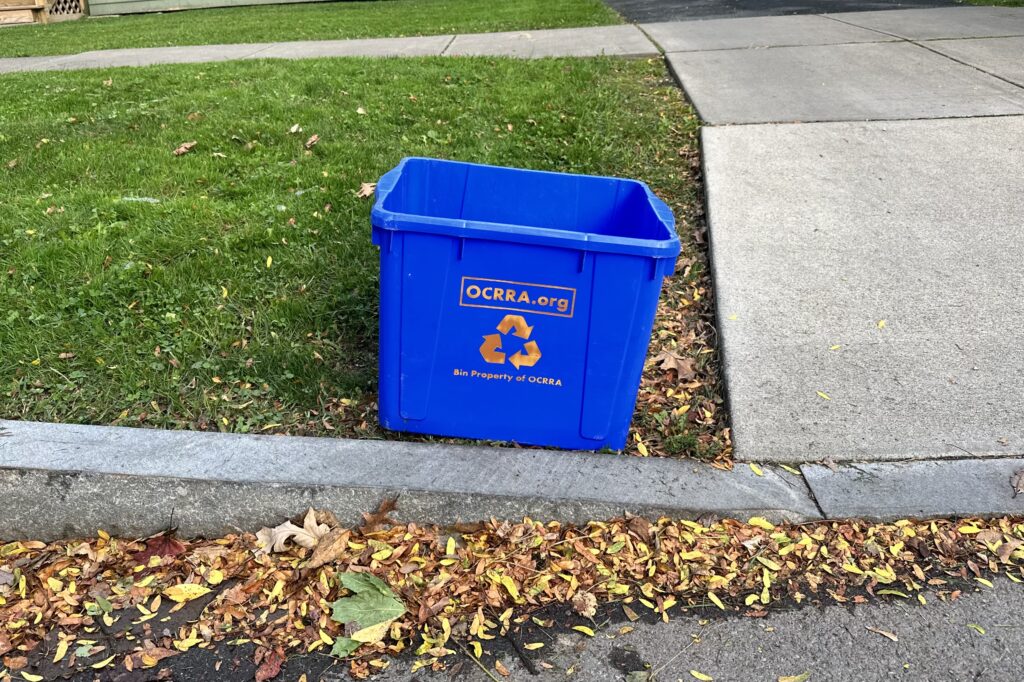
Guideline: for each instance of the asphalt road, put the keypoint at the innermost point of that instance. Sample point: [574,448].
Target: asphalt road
[936,643]
[671,10]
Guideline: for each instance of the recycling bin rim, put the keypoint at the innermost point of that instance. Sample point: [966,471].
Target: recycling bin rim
[397,221]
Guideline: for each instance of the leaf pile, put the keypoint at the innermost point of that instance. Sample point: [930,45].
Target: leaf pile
[91,603]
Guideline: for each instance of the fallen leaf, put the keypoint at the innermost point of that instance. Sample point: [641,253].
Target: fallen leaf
[685,368]
[311,142]
[1017,481]
[502,670]
[329,548]
[584,629]
[881,324]
[274,539]
[162,544]
[186,592]
[270,667]
[974,626]
[372,607]
[824,396]
[361,111]
[698,675]
[366,189]
[585,604]
[756,469]
[630,614]
[148,658]
[372,522]
[185,148]
[802,677]
[295,129]
[883,633]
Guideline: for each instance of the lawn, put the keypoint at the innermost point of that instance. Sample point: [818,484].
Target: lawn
[234,287]
[315,21]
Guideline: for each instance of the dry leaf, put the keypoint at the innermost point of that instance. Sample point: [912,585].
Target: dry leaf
[366,189]
[685,368]
[330,547]
[585,604]
[311,142]
[883,633]
[502,670]
[270,667]
[185,148]
[275,539]
[361,111]
[295,129]
[372,521]
[162,544]
[802,677]
[1017,481]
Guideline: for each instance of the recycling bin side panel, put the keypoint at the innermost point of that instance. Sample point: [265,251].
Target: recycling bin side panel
[503,341]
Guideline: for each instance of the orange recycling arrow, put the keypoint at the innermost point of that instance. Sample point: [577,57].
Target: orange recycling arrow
[523,330]
[528,360]
[490,349]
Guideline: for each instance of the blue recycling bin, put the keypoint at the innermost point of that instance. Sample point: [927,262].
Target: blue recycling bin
[516,305]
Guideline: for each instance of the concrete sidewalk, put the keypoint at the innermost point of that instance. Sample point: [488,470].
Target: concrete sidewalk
[866,266]
[620,41]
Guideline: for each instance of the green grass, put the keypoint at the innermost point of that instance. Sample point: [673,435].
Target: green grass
[245,299]
[316,21]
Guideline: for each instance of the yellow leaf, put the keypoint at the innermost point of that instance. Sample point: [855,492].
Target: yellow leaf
[584,629]
[533,646]
[270,261]
[102,664]
[698,675]
[823,395]
[921,599]
[978,628]
[186,592]
[54,584]
[769,564]
[326,638]
[881,324]
[62,650]
[751,598]
[792,470]
[716,601]
[450,547]
[32,678]
[852,568]
[510,585]
[478,650]
[835,347]
[145,582]
[690,556]
[373,634]
[969,529]
[756,469]
[986,583]
[223,292]
[641,448]
[802,677]
[215,577]
[760,522]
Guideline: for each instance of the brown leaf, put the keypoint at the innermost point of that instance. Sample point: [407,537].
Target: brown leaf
[12,164]
[502,670]
[185,148]
[15,662]
[162,544]
[1017,481]
[194,116]
[270,668]
[585,604]
[311,142]
[380,517]
[66,356]
[883,633]
[1007,548]
[685,368]
[366,189]
[148,658]
[330,548]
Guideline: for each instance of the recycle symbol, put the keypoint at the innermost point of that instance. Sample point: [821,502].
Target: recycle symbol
[491,351]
